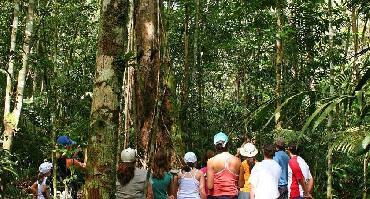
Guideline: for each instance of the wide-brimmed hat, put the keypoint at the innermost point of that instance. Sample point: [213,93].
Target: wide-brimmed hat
[220,138]
[190,157]
[248,150]
[128,155]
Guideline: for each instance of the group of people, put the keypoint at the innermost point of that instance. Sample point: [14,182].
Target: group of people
[68,166]
[281,174]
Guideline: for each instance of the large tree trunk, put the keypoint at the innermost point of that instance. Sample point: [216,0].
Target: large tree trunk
[147,73]
[11,119]
[278,64]
[102,145]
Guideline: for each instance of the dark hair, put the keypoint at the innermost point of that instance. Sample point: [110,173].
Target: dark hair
[220,148]
[160,164]
[188,166]
[208,155]
[269,151]
[280,144]
[251,163]
[294,148]
[125,172]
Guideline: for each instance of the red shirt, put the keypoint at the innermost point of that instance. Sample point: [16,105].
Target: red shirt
[296,175]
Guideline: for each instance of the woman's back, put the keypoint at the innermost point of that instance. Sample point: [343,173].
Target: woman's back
[161,186]
[133,189]
[189,185]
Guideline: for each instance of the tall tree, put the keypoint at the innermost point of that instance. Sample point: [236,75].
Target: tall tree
[105,108]
[147,72]
[11,119]
[278,62]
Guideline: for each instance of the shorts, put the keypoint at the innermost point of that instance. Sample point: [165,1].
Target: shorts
[243,195]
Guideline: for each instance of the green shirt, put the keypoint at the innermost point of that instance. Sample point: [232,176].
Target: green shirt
[160,186]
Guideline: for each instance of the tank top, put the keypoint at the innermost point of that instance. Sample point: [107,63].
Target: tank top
[39,188]
[188,187]
[225,182]
[247,186]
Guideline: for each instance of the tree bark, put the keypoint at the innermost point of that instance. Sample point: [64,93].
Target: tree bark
[365,165]
[102,144]
[278,64]
[356,69]
[146,74]
[11,120]
[329,172]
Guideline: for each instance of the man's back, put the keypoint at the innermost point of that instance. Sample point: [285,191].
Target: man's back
[282,159]
[264,178]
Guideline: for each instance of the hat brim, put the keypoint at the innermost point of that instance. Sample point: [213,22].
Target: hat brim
[248,154]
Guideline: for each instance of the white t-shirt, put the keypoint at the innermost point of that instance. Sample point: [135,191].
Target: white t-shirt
[265,178]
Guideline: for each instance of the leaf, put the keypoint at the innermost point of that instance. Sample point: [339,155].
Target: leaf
[328,109]
[317,111]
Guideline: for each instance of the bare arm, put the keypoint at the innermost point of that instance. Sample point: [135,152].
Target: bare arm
[241,177]
[210,174]
[202,183]
[149,193]
[171,188]
[251,193]
[33,189]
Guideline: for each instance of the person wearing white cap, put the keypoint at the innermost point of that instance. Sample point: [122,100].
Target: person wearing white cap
[41,188]
[224,177]
[190,180]
[130,179]
[248,151]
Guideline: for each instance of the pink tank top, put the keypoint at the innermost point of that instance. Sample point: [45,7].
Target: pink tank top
[225,182]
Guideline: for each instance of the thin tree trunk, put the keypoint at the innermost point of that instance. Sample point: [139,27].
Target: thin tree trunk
[278,64]
[356,69]
[365,165]
[329,172]
[186,78]
[103,135]
[11,120]
[10,71]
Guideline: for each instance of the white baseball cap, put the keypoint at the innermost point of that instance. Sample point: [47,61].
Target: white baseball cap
[128,155]
[220,138]
[248,150]
[190,157]
[45,167]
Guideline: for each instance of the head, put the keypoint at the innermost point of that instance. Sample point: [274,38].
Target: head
[220,140]
[45,169]
[293,149]
[160,164]
[65,141]
[190,160]
[280,144]
[126,169]
[248,150]
[268,151]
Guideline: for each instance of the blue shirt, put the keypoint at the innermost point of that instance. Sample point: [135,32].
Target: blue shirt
[283,159]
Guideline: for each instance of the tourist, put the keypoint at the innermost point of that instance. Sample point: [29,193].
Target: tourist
[282,159]
[190,180]
[208,155]
[265,176]
[300,180]
[130,179]
[224,175]
[249,151]
[160,184]
[41,188]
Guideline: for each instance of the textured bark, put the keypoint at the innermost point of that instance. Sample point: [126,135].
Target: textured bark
[278,65]
[11,119]
[102,145]
[147,72]
[186,77]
